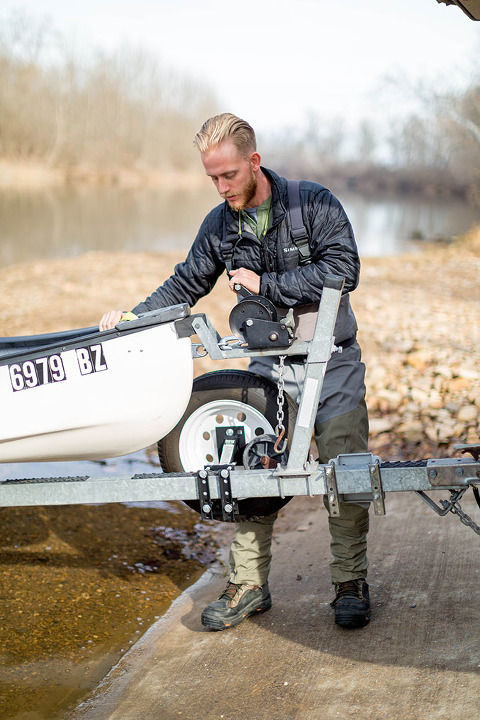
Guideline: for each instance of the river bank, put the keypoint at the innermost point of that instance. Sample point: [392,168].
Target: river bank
[73,576]
[27,175]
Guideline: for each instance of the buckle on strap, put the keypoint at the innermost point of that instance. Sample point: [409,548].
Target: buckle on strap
[299,233]
[226,248]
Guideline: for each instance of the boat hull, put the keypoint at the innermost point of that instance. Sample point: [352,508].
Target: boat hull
[105,395]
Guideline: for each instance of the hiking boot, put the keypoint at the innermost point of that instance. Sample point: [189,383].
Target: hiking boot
[352,604]
[236,603]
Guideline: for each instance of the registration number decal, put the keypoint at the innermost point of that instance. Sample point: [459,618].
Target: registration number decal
[50,369]
[91,359]
[32,373]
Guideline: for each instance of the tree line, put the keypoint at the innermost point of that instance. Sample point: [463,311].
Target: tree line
[124,110]
[433,151]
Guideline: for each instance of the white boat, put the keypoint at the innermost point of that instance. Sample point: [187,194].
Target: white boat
[85,394]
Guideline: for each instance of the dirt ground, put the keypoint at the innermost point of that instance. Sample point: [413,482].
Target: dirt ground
[74,596]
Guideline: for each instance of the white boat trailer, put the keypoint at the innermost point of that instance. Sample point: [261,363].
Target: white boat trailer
[351,477]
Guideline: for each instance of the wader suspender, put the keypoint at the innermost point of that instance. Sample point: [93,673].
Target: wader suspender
[298,230]
[227,247]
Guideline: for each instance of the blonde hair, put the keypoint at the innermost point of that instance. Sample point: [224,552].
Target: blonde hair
[223,127]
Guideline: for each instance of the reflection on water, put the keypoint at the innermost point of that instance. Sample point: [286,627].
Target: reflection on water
[67,221]
[392,226]
[137,462]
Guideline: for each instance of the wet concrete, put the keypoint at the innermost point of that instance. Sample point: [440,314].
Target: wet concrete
[417,660]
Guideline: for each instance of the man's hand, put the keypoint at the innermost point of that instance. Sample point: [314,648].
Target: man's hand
[247,278]
[110,319]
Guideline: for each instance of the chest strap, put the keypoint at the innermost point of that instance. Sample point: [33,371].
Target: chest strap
[227,247]
[298,230]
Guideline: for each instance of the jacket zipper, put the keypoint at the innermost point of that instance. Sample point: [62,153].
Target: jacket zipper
[265,253]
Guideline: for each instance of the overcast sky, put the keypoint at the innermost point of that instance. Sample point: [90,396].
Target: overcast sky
[274,61]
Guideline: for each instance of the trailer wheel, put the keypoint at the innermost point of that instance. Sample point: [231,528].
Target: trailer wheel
[226,404]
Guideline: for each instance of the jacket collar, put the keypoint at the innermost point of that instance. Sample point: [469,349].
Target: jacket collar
[279,193]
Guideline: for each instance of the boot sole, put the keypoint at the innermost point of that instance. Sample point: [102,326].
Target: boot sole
[213,620]
[352,621]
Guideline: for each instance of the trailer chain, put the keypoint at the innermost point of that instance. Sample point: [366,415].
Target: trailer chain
[280,428]
[454,507]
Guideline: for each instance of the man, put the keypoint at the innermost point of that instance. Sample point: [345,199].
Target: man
[255,223]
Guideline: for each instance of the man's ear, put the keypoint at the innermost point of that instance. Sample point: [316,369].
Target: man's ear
[255,160]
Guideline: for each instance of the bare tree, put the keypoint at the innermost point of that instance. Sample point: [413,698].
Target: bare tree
[116,110]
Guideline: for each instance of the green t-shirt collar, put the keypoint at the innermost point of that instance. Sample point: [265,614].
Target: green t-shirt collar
[263,219]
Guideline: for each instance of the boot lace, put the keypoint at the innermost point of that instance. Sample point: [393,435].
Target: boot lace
[349,588]
[233,592]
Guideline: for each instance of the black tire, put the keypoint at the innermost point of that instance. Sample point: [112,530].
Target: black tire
[242,390]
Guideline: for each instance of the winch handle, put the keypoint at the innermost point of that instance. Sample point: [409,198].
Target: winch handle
[242,290]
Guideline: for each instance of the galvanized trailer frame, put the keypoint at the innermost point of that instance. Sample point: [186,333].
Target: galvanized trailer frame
[354,478]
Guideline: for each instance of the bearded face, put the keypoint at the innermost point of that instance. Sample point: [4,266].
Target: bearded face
[235,175]
[243,195]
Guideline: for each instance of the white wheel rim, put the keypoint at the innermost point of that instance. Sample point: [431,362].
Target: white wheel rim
[198,443]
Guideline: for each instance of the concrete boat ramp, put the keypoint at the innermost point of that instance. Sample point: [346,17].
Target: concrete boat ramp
[419,659]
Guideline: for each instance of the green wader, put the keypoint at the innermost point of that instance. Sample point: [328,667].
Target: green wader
[335,433]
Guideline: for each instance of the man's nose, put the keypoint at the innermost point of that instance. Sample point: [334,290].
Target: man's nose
[223,186]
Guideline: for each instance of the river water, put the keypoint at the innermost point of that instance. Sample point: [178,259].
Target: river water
[66,221]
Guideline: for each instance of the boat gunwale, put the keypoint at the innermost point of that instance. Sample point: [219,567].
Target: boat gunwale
[71,339]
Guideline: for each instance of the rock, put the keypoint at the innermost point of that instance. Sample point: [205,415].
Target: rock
[444,371]
[459,430]
[392,399]
[435,399]
[468,414]
[411,431]
[381,425]
[468,373]
[376,375]
[419,359]
[472,394]
[445,432]
[458,384]
[431,433]
[452,408]
[473,437]
[445,417]
[419,396]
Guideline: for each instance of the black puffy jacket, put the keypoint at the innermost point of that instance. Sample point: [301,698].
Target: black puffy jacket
[276,260]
